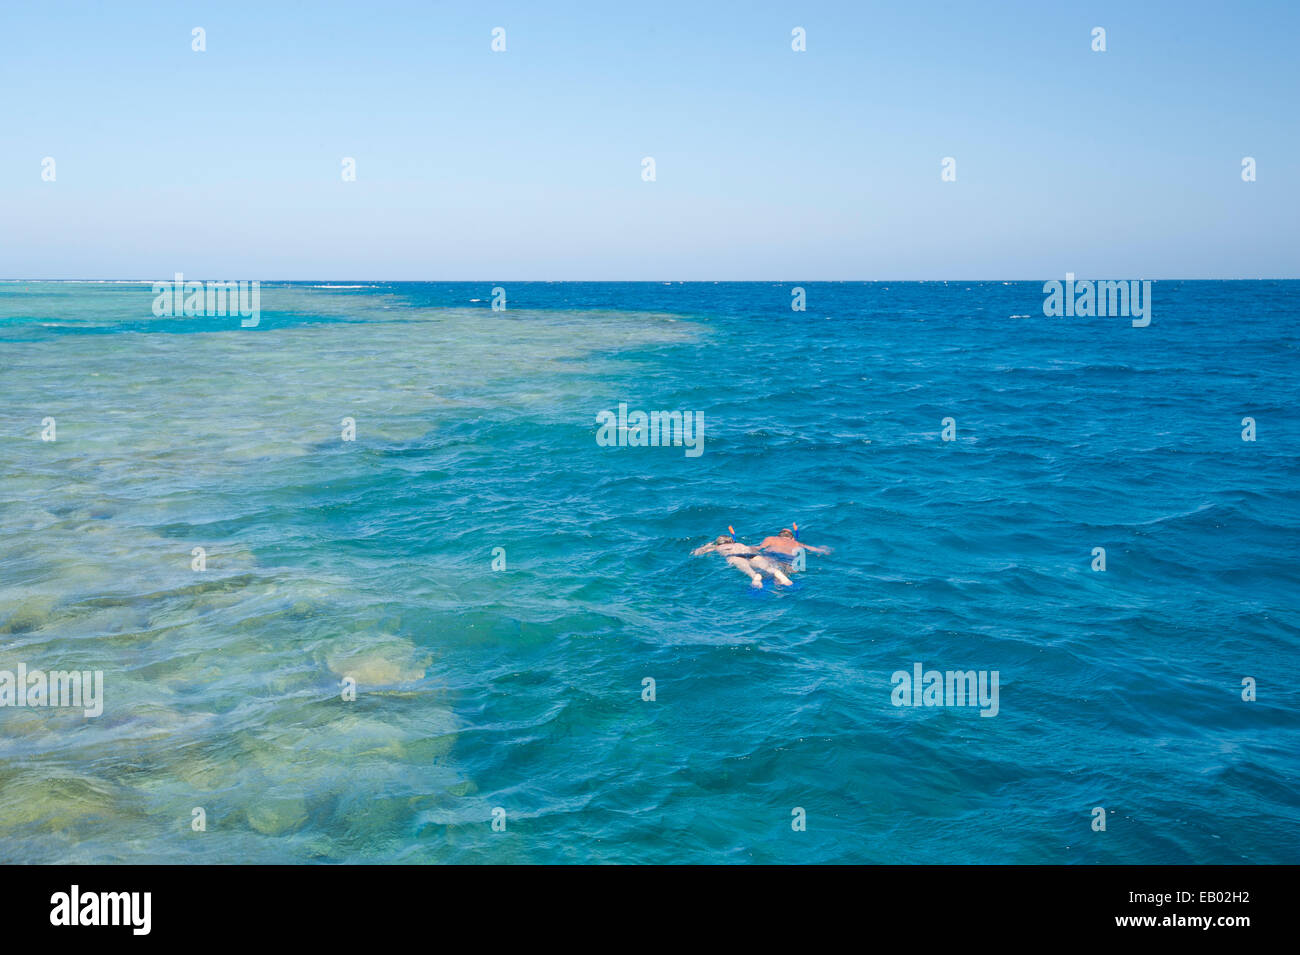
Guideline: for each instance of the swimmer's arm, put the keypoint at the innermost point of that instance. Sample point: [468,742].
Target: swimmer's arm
[815,550]
[706,549]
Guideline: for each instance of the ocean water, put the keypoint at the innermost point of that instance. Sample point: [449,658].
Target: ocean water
[520,688]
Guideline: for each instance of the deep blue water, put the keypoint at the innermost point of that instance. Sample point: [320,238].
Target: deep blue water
[522,688]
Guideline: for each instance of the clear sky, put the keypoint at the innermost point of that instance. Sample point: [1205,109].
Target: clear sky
[771,164]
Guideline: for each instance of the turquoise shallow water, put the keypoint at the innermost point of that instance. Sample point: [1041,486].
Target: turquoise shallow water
[521,688]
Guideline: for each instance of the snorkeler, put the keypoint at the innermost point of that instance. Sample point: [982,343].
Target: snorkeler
[786,543]
[745,559]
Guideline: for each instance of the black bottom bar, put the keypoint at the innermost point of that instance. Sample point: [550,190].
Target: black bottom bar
[314,905]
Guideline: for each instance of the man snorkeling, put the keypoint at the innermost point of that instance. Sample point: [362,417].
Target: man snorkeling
[786,543]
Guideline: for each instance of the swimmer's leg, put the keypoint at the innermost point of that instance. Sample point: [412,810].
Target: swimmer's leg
[743,566]
[769,566]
